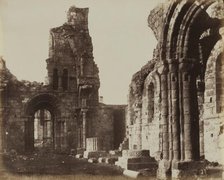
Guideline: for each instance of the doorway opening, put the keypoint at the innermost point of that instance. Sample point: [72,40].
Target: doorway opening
[43,129]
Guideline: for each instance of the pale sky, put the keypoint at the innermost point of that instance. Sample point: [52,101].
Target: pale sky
[122,40]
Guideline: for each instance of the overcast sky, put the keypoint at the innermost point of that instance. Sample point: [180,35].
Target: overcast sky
[122,40]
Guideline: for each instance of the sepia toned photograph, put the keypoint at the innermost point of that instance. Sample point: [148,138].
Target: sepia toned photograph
[101,89]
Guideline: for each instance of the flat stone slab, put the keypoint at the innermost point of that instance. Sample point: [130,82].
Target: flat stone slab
[131,174]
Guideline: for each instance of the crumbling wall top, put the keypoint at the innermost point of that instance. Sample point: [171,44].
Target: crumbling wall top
[77,16]
[156,18]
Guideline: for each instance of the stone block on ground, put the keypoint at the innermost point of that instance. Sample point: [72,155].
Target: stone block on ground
[92,160]
[115,152]
[101,160]
[94,154]
[78,156]
[131,174]
[111,160]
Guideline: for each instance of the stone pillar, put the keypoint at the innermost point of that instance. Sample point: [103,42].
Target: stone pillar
[84,112]
[169,100]
[174,99]
[181,125]
[200,94]
[189,164]
[188,149]
[138,127]
[164,168]
[164,116]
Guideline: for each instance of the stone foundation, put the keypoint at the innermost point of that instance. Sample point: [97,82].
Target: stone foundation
[136,160]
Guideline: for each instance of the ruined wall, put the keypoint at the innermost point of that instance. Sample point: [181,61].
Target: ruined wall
[151,113]
[70,95]
[18,94]
[159,107]
[109,126]
[213,109]
[144,109]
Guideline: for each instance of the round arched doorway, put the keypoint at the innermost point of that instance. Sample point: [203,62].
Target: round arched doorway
[42,111]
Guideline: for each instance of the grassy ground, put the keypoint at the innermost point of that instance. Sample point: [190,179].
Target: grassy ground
[49,165]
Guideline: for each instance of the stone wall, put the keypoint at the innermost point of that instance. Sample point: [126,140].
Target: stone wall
[213,113]
[109,126]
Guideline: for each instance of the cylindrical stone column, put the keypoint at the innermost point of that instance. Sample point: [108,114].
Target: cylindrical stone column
[175,116]
[187,117]
[164,116]
[84,112]
[181,116]
[170,116]
[138,127]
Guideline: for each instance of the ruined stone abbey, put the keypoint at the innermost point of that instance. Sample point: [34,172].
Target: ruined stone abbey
[174,119]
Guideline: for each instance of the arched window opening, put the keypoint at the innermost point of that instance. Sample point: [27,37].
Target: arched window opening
[55,79]
[151,102]
[65,79]
[219,84]
[43,129]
